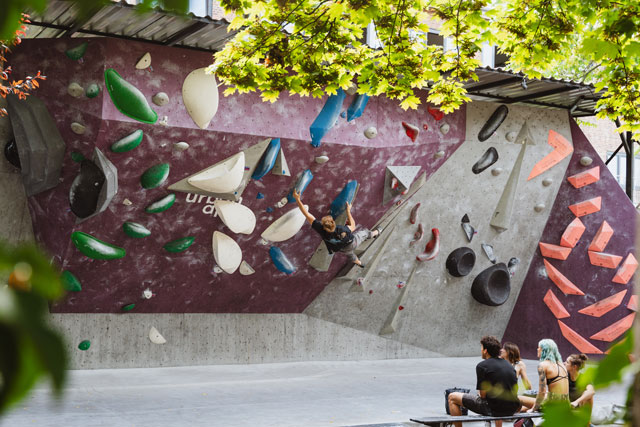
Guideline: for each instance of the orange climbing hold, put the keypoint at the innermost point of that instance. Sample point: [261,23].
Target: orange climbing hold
[577,340]
[604,305]
[633,303]
[565,285]
[602,237]
[572,233]
[612,332]
[587,207]
[585,178]
[562,148]
[554,251]
[626,271]
[555,305]
[604,260]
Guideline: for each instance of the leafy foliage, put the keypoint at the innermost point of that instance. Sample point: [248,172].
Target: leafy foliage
[314,47]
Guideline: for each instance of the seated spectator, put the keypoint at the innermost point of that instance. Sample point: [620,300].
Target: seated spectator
[552,375]
[496,385]
[511,353]
[578,396]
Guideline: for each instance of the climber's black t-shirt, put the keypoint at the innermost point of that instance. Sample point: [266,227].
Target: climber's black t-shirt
[336,240]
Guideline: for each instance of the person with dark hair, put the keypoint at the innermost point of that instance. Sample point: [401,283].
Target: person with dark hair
[552,376]
[511,353]
[578,396]
[496,385]
[338,238]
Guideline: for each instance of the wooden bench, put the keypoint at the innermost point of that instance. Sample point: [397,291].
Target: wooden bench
[444,420]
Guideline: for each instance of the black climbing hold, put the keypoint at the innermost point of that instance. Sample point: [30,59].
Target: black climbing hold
[11,153]
[460,262]
[466,219]
[492,286]
[493,123]
[488,158]
[512,266]
[85,189]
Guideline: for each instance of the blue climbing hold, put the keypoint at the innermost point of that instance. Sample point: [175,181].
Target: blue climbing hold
[326,118]
[357,107]
[281,261]
[343,114]
[346,195]
[268,159]
[301,185]
[260,196]
[269,209]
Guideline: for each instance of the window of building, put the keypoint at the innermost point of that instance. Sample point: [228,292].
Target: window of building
[618,168]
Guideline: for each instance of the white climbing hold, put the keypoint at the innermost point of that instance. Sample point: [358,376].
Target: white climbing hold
[285,227]
[180,146]
[147,294]
[246,269]
[226,252]
[200,96]
[75,90]
[78,128]
[144,62]
[539,207]
[281,203]
[127,202]
[352,89]
[586,160]
[511,136]
[439,155]
[322,159]
[444,128]
[217,269]
[164,121]
[239,218]
[262,241]
[547,182]
[155,336]
[160,99]
[496,171]
[371,132]
[221,178]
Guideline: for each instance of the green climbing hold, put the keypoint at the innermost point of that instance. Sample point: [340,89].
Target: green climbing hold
[162,205]
[77,52]
[128,307]
[179,245]
[77,157]
[70,282]
[95,248]
[128,143]
[135,230]
[127,98]
[155,176]
[93,90]
[84,345]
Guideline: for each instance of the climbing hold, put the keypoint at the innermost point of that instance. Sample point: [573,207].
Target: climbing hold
[85,189]
[602,307]
[179,245]
[439,155]
[269,209]
[245,269]
[155,336]
[128,143]
[357,107]
[412,131]
[147,294]
[547,182]
[602,237]
[626,270]
[160,99]
[417,236]
[496,171]
[127,202]
[488,158]
[75,90]
[435,113]
[285,227]
[95,248]
[469,231]
[70,282]
[78,128]
[554,304]
[572,233]
[321,159]
[577,340]
[327,117]
[586,160]
[564,284]
[268,159]
[371,132]
[162,204]
[223,177]
[301,184]
[239,218]
[587,207]
[144,61]
[432,248]
[602,259]
[493,123]
[512,266]
[343,114]
[352,90]
[460,262]
[226,252]
[339,204]
[164,121]
[561,149]
[488,250]
[444,128]
[465,219]
[539,207]
[493,286]
[180,146]
[413,216]
[93,90]
[585,178]
[200,96]
[155,176]
[281,261]
[554,251]
[128,307]
[259,196]
[76,53]
[511,136]
[127,98]
[425,126]
[84,345]
[11,153]
[135,230]
[613,331]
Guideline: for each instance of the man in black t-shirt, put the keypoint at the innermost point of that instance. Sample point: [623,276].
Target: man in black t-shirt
[338,238]
[496,385]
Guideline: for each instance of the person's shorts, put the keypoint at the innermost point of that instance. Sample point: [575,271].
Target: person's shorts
[475,403]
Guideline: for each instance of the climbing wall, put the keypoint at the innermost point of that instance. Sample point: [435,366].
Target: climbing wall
[584,301]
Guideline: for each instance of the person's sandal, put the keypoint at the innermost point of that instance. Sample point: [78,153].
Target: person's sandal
[379,230]
[361,265]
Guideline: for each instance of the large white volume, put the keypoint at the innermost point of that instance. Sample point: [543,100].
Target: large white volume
[221,178]
[285,227]
[200,96]
[226,251]
[239,218]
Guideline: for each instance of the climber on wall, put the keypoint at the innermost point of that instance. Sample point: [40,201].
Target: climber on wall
[338,238]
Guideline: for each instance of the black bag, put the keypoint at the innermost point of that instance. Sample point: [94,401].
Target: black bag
[454,390]
[523,422]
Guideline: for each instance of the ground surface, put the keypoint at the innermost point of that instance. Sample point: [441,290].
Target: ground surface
[281,394]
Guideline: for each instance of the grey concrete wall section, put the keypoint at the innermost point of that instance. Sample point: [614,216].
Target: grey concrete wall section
[439,313]
[121,340]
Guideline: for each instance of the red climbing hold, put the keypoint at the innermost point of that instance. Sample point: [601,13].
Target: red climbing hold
[577,340]
[435,113]
[370,291]
[417,236]
[554,304]
[411,130]
[432,248]
[425,126]
[612,332]
[400,307]
[414,213]
[627,269]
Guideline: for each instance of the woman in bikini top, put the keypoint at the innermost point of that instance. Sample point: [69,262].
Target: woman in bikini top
[552,375]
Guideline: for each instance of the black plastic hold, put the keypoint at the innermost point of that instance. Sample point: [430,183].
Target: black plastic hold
[460,262]
[465,218]
[492,286]
[493,123]
[488,158]
[11,153]
[85,189]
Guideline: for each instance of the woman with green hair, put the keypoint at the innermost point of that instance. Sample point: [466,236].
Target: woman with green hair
[552,376]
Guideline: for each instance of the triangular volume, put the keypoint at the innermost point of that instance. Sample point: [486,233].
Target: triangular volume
[612,332]
[604,306]
[524,136]
[577,340]
[281,167]
[252,156]
[404,174]
[397,179]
